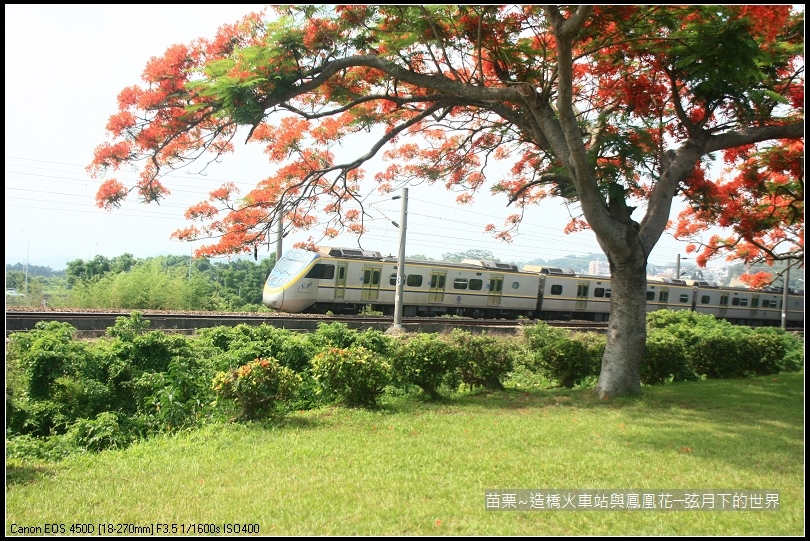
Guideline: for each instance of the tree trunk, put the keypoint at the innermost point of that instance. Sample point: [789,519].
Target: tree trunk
[627,327]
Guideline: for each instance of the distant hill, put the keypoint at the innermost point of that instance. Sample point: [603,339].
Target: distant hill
[35,270]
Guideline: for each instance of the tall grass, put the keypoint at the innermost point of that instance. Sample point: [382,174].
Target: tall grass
[418,468]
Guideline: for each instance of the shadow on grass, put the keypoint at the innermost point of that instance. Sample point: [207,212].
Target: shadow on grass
[754,424]
[25,474]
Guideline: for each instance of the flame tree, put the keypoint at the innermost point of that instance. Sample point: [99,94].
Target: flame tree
[759,201]
[613,107]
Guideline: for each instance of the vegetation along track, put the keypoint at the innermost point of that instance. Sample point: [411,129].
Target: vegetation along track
[94,323]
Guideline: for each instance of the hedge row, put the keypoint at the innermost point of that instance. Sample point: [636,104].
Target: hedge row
[64,394]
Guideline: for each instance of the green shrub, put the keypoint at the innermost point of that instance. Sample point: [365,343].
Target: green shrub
[81,397]
[376,341]
[717,354]
[354,376]
[793,361]
[127,328]
[595,343]
[764,350]
[665,358]
[483,360]
[337,335]
[296,352]
[153,351]
[425,360]
[41,418]
[257,386]
[48,353]
[178,396]
[541,334]
[103,432]
[29,447]
[566,361]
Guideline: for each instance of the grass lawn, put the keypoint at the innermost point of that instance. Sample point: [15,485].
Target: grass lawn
[419,468]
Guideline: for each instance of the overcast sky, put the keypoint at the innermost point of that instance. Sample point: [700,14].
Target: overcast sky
[66,64]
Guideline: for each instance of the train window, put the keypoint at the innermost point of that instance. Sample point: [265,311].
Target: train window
[393,280]
[582,290]
[743,302]
[663,296]
[460,283]
[723,300]
[599,292]
[767,303]
[476,284]
[735,301]
[684,298]
[322,272]
[704,299]
[414,280]
[556,289]
[607,293]
[754,302]
[375,277]
[515,285]
[651,295]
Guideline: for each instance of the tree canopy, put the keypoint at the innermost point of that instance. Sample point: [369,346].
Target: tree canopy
[614,107]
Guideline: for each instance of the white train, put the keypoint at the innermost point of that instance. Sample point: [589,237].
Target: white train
[344,280]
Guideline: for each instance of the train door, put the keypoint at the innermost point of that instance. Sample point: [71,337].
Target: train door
[495,291]
[663,298]
[723,305]
[582,296]
[754,305]
[340,281]
[371,283]
[436,292]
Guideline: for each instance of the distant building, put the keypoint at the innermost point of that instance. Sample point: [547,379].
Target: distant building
[599,268]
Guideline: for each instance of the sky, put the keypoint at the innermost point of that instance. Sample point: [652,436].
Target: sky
[65,66]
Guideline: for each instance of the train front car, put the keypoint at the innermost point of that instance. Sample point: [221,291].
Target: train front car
[286,288]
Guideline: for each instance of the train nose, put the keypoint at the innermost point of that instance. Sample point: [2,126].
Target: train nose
[274,299]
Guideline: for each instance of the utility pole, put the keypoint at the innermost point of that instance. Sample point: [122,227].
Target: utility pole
[27,255]
[279,236]
[785,297]
[398,296]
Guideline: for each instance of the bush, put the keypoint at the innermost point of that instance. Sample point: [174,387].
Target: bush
[720,355]
[258,386]
[337,335]
[541,334]
[793,361]
[483,360]
[355,376]
[45,354]
[665,358]
[595,343]
[426,361]
[28,447]
[376,341]
[566,361]
[127,328]
[103,432]
[176,398]
[764,351]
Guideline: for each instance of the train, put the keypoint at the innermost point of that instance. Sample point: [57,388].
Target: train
[349,281]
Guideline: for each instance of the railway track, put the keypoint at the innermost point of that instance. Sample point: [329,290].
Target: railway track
[95,323]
